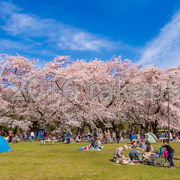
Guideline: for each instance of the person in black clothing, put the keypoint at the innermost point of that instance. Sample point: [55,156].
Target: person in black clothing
[117,135]
[170,151]
[44,135]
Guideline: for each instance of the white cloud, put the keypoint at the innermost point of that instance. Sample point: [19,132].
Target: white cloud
[82,41]
[10,44]
[29,26]
[24,24]
[164,50]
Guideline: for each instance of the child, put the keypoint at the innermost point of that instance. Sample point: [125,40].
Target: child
[170,151]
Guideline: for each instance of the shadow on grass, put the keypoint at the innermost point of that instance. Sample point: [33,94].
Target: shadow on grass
[112,160]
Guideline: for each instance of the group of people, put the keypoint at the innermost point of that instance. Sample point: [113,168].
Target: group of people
[79,137]
[145,149]
[139,146]
[30,136]
[95,145]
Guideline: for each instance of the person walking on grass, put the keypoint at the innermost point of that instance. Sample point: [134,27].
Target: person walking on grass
[170,151]
[117,135]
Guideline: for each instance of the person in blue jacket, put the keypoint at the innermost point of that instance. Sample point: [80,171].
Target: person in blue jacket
[132,136]
[68,137]
[134,155]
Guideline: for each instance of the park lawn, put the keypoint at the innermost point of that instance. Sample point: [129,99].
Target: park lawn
[63,161]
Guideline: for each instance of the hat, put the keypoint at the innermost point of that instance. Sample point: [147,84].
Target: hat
[125,147]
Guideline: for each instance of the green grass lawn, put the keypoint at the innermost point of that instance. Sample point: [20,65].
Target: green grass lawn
[64,161]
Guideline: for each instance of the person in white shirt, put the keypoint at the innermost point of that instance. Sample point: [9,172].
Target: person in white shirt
[118,155]
[32,136]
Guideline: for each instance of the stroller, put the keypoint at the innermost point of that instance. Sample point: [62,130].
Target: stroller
[158,158]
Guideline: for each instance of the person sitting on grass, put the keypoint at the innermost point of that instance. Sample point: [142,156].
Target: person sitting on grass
[133,144]
[93,143]
[78,139]
[148,150]
[170,151]
[118,155]
[142,144]
[98,145]
[178,140]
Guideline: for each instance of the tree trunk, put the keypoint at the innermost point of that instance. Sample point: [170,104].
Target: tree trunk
[154,127]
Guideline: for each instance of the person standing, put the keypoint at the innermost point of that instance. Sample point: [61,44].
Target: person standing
[44,135]
[32,136]
[100,135]
[132,137]
[27,136]
[138,137]
[10,136]
[117,135]
[170,151]
[95,134]
[63,137]
[108,136]
[47,135]
[68,137]
[113,136]
[105,139]
[86,135]
[38,135]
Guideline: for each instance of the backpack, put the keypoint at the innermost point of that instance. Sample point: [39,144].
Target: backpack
[166,153]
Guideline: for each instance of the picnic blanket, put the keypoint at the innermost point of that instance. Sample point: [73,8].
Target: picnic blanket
[86,148]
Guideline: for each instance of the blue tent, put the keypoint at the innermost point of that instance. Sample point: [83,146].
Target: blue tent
[4,146]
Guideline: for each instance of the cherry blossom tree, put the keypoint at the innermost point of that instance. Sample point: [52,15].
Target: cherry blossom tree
[98,94]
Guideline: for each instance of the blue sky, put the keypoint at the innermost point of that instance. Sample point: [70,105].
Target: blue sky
[145,31]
